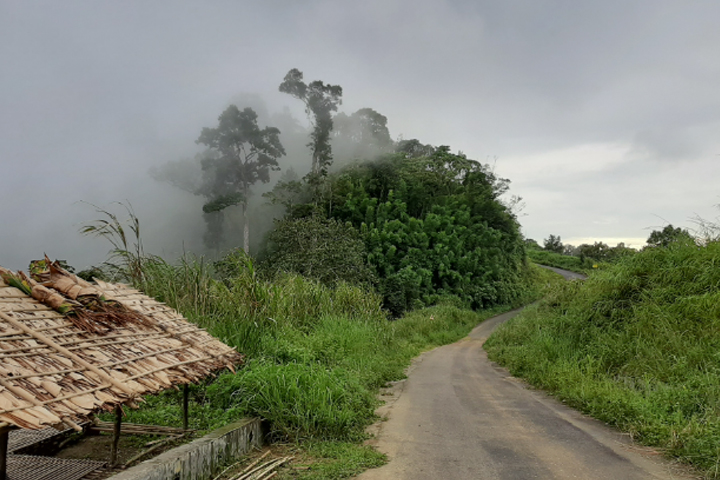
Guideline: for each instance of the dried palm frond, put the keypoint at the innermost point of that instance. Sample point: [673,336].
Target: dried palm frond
[84,304]
[101,316]
[15,280]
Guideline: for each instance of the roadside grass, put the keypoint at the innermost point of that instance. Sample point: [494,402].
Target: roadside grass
[637,345]
[331,461]
[558,260]
[316,356]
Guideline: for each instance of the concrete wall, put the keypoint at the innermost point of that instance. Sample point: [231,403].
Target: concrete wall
[201,458]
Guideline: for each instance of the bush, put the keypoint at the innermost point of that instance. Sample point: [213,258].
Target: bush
[315,247]
[432,226]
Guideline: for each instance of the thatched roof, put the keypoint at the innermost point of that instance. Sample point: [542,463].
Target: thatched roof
[53,372]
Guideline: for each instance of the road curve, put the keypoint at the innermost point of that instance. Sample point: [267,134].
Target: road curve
[566,273]
[460,416]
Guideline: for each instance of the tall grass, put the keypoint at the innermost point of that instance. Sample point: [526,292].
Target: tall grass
[636,345]
[317,355]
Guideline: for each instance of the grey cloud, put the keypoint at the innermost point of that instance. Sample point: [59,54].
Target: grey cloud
[93,94]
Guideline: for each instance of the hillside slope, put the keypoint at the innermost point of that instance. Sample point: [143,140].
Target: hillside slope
[637,345]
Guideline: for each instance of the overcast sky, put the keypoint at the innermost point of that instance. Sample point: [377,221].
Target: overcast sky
[605,115]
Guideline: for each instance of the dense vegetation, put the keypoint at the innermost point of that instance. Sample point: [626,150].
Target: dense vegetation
[316,355]
[433,227]
[636,345]
[403,231]
[417,223]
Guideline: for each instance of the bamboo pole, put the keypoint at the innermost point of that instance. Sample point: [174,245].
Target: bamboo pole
[116,436]
[41,329]
[48,373]
[238,462]
[186,395]
[135,428]
[29,351]
[142,356]
[144,374]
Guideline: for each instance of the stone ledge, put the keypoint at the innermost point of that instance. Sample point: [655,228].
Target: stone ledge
[201,458]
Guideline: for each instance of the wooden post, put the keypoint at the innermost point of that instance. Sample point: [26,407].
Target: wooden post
[4,434]
[186,395]
[116,436]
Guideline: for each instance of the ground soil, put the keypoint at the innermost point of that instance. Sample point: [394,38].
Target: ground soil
[97,447]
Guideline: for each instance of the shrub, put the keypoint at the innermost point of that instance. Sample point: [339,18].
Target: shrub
[316,247]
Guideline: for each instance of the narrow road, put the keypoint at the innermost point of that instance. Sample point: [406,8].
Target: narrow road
[460,416]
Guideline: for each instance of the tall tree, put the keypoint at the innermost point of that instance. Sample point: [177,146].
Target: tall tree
[320,100]
[244,155]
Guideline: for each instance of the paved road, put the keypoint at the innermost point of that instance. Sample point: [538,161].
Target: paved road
[460,416]
[566,273]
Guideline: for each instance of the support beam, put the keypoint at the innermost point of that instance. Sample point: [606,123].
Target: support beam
[116,436]
[4,434]
[186,398]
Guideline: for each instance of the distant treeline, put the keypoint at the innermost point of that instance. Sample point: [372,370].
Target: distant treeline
[585,257]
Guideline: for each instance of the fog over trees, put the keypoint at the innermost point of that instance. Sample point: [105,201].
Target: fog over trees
[604,125]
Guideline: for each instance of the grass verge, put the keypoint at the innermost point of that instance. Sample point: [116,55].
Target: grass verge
[636,345]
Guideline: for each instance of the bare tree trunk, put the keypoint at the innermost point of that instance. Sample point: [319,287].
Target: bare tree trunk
[315,164]
[246,223]
[246,229]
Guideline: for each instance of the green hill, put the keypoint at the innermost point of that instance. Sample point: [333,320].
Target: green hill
[636,345]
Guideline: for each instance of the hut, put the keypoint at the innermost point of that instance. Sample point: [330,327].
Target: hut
[69,348]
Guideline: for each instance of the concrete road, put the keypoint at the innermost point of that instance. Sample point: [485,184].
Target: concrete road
[566,273]
[460,416]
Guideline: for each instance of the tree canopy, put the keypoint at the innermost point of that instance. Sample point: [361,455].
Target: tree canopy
[364,133]
[241,155]
[553,244]
[320,100]
[667,236]
[433,227]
